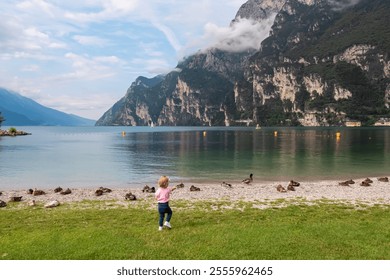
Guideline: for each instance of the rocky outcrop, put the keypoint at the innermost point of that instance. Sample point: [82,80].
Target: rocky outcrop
[321,64]
[13,133]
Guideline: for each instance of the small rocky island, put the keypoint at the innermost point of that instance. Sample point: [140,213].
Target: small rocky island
[13,132]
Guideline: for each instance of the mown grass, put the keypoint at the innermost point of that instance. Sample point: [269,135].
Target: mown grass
[202,230]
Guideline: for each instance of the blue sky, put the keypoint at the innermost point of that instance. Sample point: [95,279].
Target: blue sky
[80,57]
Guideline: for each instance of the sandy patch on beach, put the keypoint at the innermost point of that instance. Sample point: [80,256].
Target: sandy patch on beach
[377,193]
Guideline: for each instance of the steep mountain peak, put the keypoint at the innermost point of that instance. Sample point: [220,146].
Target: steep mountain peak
[259,9]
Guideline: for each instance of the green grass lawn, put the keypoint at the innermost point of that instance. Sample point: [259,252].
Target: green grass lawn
[201,230]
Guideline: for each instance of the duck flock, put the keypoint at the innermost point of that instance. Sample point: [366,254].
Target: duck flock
[291,186]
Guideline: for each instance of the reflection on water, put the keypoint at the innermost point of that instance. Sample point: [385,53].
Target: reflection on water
[233,154]
[103,156]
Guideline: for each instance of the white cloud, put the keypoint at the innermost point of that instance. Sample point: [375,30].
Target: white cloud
[86,106]
[108,9]
[342,4]
[37,5]
[87,68]
[90,40]
[243,35]
[30,68]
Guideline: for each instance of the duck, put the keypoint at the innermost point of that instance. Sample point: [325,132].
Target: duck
[294,184]
[280,188]
[57,190]
[347,183]
[1,193]
[148,189]
[3,203]
[248,180]
[194,189]
[16,198]
[291,188]
[38,192]
[105,190]
[30,191]
[383,179]
[368,180]
[65,192]
[179,186]
[227,185]
[99,192]
[365,184]
[130,196]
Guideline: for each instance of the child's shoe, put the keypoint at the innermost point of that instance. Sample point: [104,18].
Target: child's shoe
[168,225]
[160,228]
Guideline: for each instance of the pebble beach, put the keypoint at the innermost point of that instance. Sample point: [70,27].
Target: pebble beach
[377,193]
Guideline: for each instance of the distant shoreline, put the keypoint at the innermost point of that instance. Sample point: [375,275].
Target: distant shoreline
[13,133]
[377,193]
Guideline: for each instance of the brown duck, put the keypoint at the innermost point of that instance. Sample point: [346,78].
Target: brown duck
[65,192]
[130,196]
[383,179]
[38,192]
[194,189]
[280,188]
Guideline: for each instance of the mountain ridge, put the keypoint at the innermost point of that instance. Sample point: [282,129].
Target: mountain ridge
[20,110]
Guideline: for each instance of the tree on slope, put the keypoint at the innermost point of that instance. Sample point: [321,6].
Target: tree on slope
[1,119]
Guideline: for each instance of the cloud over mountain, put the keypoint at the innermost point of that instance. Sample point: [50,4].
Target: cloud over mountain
[342,4]
[240,36]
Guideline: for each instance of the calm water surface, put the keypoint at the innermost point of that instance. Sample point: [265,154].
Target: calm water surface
[102,156]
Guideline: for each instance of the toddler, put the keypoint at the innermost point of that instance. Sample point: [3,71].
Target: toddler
[162,195]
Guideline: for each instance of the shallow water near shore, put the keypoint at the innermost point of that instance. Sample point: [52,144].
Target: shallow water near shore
[104,156]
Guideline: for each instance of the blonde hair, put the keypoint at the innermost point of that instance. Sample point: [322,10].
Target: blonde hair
[163,182]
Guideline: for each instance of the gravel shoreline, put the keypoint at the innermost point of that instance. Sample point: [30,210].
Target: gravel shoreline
[377,193]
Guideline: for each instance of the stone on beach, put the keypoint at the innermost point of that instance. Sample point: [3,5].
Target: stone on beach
[52,204]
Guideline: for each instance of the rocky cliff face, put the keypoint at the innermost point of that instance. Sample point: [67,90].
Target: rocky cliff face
[320,65]
[293,82]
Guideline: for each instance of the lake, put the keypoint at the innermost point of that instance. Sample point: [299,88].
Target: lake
[103,156]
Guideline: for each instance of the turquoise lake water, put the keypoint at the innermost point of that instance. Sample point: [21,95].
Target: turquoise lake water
[102,156]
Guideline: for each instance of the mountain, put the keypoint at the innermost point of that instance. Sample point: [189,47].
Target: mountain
[323,62]
[19,110]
